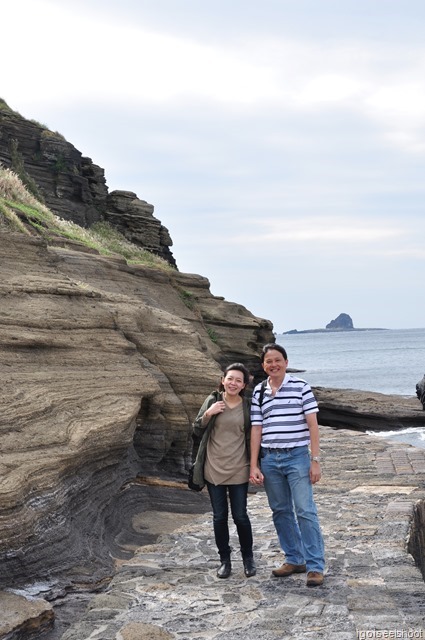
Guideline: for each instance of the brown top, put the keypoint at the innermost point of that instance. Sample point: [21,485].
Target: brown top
[226,460]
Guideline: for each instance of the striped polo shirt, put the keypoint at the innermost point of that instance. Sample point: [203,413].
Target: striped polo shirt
[283,416]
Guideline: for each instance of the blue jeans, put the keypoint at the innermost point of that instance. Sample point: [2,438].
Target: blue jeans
[238,498]
[290,495]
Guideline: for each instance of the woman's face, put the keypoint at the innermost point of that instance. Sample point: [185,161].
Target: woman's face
[233,382]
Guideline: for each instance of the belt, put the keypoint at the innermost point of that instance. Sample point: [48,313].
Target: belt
[277,449]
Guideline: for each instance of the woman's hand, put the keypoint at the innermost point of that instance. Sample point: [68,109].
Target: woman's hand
[255,476]
[214,409]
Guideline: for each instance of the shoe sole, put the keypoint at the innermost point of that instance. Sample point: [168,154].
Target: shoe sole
[285,575]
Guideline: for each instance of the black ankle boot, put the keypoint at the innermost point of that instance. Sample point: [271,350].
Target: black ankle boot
[225,570]
[249,567]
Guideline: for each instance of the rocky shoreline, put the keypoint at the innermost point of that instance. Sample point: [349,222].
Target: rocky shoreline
[367,411]
[157,507]
[371,501]
[366,501]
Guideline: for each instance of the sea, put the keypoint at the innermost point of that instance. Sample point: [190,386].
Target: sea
[387,361]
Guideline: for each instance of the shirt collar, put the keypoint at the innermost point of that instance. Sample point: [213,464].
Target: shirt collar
[284,381]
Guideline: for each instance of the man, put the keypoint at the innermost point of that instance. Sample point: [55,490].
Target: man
[284,425]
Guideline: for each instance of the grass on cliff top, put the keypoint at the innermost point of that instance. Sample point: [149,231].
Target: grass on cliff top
[20,210]
[4,106]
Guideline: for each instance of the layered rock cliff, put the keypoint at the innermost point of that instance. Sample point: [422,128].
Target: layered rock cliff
[72,186]
[104,366]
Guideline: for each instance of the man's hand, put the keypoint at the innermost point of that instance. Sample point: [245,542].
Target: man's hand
[315,472]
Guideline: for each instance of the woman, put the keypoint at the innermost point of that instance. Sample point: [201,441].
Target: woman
[222,429]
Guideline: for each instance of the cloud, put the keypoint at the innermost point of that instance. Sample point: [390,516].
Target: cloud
[320,231]
[128,62]
[271,137]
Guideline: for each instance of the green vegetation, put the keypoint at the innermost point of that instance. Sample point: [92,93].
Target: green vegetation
[4,106]
[191,302]
[47,133]
[19,168]
[21,211]
[212,334]
[59,165]
[10,220]
[187,297]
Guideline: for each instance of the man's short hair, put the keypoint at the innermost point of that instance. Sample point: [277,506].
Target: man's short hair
[275,347]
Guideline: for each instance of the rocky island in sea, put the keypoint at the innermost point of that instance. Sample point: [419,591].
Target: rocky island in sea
[341,323]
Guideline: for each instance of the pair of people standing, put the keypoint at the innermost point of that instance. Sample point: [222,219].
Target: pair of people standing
[283,416]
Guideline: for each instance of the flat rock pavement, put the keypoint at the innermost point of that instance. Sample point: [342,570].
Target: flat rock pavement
[169,590]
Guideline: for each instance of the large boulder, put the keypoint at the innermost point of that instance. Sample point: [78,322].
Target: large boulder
[420,391]
[366,410]
[135,220]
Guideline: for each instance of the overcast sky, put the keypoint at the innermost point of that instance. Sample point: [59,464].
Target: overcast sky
[282,142]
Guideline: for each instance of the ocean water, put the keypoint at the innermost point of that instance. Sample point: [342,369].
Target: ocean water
[388,361]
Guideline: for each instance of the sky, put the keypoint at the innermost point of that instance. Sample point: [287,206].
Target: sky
[281,142]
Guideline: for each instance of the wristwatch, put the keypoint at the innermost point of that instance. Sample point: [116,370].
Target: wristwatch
[315,458]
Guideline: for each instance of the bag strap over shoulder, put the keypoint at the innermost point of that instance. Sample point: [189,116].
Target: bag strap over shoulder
[262,389]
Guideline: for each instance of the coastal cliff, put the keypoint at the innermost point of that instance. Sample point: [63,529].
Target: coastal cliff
[72,185]
[104,365]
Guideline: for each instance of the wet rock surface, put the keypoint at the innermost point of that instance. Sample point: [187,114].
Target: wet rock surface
[366,500]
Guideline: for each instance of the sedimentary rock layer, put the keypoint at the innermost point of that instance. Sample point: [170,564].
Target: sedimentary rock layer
[103,368]
[72,186]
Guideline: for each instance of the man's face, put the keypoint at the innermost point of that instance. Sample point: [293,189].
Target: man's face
[275,364]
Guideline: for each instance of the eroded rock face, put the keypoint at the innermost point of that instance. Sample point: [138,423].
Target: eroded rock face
[21,617]
[103,368]
[135,220]
[72,186]
[417,536]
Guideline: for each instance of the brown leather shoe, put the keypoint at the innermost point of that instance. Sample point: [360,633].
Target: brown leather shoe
[314,579]
[288,569]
